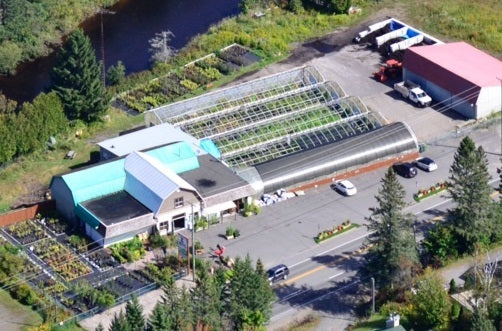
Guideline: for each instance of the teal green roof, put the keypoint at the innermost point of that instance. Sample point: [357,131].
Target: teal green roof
[179,157]
[86,216]
[209,146]
[96,181]
[107,178]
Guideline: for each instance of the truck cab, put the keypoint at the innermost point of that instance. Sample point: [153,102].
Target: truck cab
[417,95]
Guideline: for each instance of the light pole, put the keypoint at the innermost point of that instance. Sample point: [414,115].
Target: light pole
[103,72]
[372,295]
[193,243]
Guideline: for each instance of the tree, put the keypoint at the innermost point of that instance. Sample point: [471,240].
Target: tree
[8,143]
[100,327]
[116,74]
[441,244]
[159,46]
[470,190]
[159,319]
[77,79]
[250,295]
[134,314]
[481,322]
[10,56]
[7,106]
[119,323]
[206,302]
[340,6]
[393,244]
[431,303]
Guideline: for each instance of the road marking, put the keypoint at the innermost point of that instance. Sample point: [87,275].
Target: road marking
[305,274]
[338,274]
[331,249]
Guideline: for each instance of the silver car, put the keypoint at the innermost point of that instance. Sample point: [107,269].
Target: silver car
[426,164]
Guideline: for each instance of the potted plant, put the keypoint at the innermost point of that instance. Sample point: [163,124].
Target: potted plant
[229,233]
[199,248]
[237,233]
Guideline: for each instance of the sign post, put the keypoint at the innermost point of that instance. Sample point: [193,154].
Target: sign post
[183,249]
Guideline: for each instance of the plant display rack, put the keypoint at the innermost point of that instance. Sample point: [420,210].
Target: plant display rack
[433,190]
[336,230]
[270,117]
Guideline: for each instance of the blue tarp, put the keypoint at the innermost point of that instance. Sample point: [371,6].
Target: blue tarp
[209,146]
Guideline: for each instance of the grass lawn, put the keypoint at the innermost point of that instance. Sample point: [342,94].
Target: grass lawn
[375,322]
[15,316]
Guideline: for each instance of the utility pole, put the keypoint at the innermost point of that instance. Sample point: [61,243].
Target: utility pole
[193,243]
[372,295]
[103,71]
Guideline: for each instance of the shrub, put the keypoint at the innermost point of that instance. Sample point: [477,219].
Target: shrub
[229,231]
[237,233]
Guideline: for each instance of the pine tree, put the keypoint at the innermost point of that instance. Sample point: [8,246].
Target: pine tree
[470,190]
[159,319]
[77,79]
[250,295]
[119,323]
[259,267]
[100,327]
[481,322]
[206,302]
[134,314]
[393,254]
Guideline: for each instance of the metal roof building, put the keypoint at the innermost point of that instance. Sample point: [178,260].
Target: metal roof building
[457,75]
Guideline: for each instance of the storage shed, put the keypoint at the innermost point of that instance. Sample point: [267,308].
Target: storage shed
[457,75]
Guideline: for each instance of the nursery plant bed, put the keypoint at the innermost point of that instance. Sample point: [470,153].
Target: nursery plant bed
[27,232]
[56,225]
[60,259]
[328,234]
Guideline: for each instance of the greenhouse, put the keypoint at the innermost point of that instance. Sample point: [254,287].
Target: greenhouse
[271,117]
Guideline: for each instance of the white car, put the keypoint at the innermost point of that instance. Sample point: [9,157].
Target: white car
[427,164]
[345,187]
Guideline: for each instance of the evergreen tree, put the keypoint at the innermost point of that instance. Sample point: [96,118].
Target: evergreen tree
[470,190]
[206,302]
[259,267]
[481,322]
[77,79]
[431,303]
[119,323]
[159,319]
[134,314]
[177,305]
[100,327]
[394,251]
[8,142]
[249,295]
[115,74]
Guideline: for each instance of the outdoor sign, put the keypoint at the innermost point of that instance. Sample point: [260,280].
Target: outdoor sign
[183,246]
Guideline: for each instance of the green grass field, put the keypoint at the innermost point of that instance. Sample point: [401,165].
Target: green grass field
[15,316]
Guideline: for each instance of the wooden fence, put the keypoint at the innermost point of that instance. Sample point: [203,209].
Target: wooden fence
[26,213]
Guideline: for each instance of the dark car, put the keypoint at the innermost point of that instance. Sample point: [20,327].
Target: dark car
[405,169]
[277,273]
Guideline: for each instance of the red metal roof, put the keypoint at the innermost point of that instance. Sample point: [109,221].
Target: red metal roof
[462,61]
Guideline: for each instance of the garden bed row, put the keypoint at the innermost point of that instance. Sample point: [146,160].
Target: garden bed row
[201,73]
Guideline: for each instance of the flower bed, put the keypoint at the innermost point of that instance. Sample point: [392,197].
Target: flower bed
[336,230]
[433,190]
[26,232]
[60,259]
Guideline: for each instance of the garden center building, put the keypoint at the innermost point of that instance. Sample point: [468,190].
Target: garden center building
[458,75]
[207,155]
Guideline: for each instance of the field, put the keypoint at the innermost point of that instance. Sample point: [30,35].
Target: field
[14,316]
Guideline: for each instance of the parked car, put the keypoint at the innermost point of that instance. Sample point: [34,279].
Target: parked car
[426,164]
[405,169]
[345,187]
[277,273]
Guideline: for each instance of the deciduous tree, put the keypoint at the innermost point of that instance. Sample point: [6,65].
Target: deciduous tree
[77,79]
[431,303]
[160,48]
[481,322]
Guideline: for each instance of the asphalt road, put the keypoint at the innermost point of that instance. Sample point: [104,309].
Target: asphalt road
[322,274]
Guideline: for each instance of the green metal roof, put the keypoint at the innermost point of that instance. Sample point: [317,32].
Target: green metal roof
[85,215]
[109,177]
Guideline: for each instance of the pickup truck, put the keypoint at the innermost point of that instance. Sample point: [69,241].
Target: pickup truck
[414,92]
